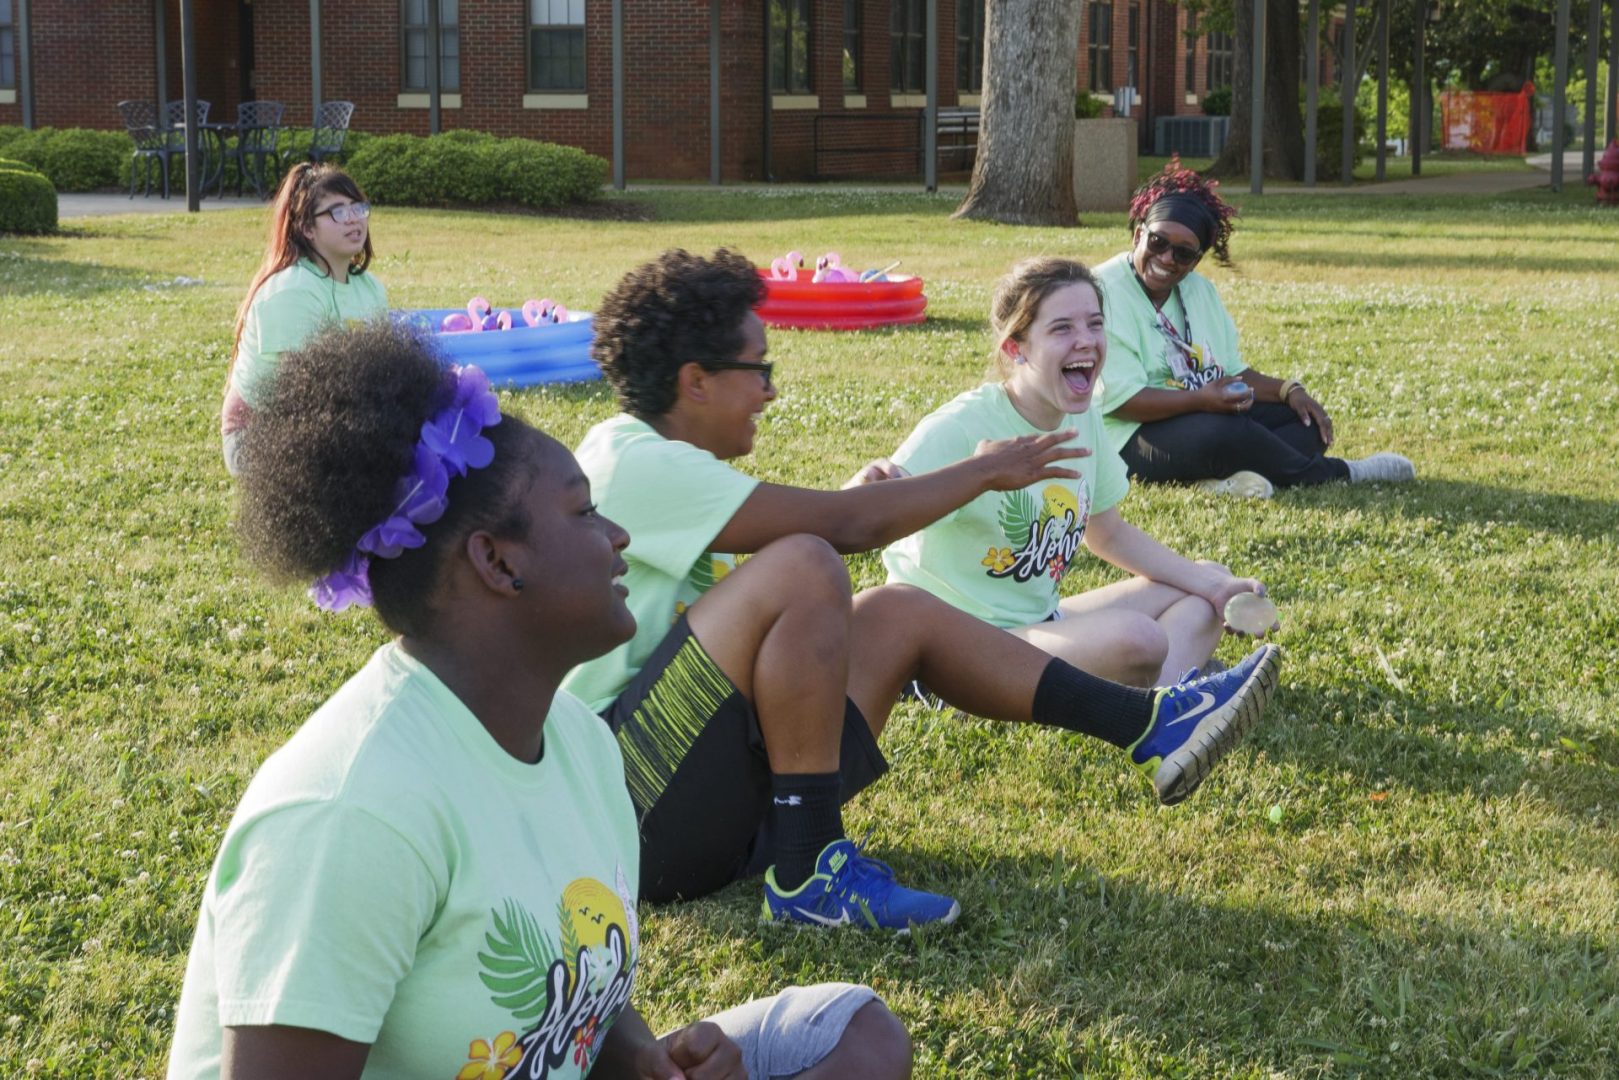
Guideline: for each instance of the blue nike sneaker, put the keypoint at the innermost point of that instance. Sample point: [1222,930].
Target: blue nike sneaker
[848,889]
[1195,723]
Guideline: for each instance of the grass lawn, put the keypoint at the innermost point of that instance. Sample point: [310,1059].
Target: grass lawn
[1411,869]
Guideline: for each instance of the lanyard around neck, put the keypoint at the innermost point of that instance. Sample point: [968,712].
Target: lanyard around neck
[1180,342]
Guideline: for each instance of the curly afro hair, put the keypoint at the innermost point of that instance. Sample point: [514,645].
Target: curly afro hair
[674,310]
[321,460]
[1177,180]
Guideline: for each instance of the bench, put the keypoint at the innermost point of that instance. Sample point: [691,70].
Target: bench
[878,144]
[957,129]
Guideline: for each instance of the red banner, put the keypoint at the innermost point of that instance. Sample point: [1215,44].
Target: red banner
[1486,123]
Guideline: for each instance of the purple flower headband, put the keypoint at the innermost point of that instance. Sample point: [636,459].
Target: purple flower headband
[451,439]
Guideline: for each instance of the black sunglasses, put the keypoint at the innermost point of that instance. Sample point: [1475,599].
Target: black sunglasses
[743,365]
[1157,244]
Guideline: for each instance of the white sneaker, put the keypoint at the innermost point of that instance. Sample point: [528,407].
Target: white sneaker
[1390,467]
[1243,484]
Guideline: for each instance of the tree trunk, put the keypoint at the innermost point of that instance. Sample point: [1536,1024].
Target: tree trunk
[1024,171]
[1284,122]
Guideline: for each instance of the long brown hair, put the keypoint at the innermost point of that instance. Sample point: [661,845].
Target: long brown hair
[1020,293]
[291,214]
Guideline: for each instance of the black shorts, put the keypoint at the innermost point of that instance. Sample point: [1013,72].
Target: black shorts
[695,764]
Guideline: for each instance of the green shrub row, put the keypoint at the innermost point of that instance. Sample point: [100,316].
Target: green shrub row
[469,168]
[80,159]
[27,200]
[75,159]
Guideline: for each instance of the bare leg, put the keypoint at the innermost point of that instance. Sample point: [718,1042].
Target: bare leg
[874,1046]
[1139,632]
[785,648]
[900,633]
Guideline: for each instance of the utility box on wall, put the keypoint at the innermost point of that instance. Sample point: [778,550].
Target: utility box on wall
[1104,163]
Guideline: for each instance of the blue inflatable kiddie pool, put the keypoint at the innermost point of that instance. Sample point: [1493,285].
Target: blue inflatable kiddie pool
[521,356]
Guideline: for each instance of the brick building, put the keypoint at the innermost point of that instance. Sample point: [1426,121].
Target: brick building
[846,77]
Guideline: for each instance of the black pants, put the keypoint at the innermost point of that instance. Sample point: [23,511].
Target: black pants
[1268,439]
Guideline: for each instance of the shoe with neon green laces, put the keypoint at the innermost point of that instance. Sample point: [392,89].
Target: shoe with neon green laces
[1196,723]
[848,889]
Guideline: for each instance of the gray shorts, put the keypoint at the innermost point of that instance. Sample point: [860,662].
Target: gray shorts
[794,1030]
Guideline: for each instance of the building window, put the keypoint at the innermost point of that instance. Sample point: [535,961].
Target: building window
[969,46]
[907,45]
[8,46]
[416,45]
[789,46]
[1191,52]
[853,70]
[556,45]
[1101,45]
[1219,70]
[1132,52]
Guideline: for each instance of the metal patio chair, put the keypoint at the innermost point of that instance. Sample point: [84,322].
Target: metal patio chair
[152,144]
[258,129]
[330,130]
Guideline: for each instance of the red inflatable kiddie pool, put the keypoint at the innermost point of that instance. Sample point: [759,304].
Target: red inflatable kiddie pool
[802,304]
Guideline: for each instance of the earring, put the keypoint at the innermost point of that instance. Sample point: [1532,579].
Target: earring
[517,584]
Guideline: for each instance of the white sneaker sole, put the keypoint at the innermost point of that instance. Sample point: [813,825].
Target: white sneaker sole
[1180,774]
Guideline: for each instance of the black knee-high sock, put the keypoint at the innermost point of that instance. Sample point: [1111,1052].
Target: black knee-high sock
[809,816]
[1076,701]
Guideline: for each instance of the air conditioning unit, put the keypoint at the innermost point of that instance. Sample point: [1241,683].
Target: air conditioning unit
[1190,136]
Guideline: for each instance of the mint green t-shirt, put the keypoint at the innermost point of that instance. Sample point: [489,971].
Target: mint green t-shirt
[673,498]
[287,311]
[1140,351]
[393,877]
[1002,555]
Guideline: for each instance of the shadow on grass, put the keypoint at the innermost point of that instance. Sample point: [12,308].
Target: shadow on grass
[1093,973]
[28,267]
[1384,738]
[1459,502]
[1361,258]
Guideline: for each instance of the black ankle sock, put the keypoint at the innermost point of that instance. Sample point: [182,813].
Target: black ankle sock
[809,816]
[1071,699]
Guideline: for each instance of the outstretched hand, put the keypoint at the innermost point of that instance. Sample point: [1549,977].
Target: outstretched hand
[1011,464]
[699,1051]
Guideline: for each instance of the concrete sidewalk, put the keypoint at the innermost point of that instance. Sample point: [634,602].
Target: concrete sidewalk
[1475,183]
[104,204]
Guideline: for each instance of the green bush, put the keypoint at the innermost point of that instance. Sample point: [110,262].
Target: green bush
[1329,136]
[75,159]
[23,166]
[468,168]
[1217,102]
[292,146]
[79,159]
[1087,107]
[27,202]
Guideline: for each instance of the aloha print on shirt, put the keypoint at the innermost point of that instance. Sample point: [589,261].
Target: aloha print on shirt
[1043,539]
[567,988]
